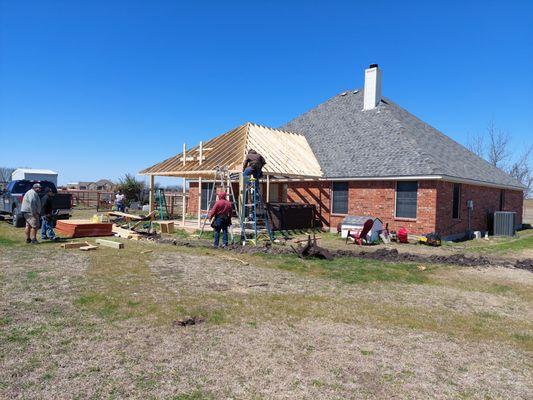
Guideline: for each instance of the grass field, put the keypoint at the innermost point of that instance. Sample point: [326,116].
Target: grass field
[103,324]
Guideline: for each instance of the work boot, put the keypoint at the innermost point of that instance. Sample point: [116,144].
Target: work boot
[34,241]
[28,240]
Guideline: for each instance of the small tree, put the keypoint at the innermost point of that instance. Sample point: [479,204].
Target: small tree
[130,187]
[5,174]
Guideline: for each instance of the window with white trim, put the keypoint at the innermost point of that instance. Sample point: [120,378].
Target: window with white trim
[406,199]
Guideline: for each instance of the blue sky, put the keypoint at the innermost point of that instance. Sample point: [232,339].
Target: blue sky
[95,89]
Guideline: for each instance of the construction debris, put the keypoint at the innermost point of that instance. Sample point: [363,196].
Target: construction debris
[110,243]
[74,245]
[88,247]
[188,321]
[311,249]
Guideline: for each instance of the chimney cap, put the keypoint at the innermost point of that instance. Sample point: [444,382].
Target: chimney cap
[373,66]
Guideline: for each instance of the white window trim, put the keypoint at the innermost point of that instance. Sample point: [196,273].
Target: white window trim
[396,202]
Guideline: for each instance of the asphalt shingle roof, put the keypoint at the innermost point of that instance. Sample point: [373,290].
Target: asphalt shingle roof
[384,142]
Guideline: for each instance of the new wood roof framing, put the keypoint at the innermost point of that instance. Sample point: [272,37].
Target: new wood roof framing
[286,153]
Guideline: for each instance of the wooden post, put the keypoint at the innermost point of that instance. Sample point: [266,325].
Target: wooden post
[268,189]
[201,152]
[184,203]
[241,196]
[184,153]
[199,201]
[151,200]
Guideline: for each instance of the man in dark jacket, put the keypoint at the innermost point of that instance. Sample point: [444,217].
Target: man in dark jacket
[253,164]
[47,223]
[221,216]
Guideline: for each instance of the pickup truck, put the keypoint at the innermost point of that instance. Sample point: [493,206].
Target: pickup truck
[11,200]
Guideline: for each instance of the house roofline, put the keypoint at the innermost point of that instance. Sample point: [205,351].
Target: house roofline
[427,177]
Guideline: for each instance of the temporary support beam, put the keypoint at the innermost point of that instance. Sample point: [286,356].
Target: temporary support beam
[268,189]
[184,153]
[151,201]
[184,202]
[199,201]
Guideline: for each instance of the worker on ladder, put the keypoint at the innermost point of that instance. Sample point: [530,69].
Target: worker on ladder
[220,215]
[252,167]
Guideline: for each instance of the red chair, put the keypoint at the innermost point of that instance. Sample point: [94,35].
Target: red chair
[359,235]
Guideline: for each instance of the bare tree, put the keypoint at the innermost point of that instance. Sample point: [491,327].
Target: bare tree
[522,171]
[476,144]
[5,174]
[498,146]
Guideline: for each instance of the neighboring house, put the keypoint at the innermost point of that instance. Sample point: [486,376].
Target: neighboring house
[102,185]
[378,159]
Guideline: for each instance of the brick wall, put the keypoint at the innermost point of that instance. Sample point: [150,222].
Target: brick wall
[377,198]
[486,200]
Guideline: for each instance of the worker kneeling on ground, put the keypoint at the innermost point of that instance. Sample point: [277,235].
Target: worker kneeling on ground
[220,215]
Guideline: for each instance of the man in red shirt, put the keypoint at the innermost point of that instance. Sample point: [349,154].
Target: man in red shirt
[220,215]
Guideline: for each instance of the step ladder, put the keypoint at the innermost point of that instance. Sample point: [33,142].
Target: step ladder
[223,181]
[161,202]
[254,218]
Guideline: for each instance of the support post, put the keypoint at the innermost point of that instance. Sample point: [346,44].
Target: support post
[201,153]
[184,154]
[199,202]
[268,189]
[241,197]
[151,198]
[184,203]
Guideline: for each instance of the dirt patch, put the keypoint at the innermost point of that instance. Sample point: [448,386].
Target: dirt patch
[383,254]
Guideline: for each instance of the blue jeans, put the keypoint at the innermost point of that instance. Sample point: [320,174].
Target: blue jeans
[47,229]
[220,225]
[246,174]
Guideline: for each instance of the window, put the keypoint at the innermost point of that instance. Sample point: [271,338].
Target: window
[406,199]
[456,212]
[502,199]
[339,204]
[207,188]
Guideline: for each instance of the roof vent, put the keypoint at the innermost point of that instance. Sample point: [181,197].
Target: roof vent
[372,95]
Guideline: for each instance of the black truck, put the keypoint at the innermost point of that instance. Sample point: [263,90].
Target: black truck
[11,200]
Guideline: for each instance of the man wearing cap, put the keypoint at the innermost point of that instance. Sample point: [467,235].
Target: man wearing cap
[220,214]
[31,209]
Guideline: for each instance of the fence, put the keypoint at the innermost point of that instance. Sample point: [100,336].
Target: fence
[103,200]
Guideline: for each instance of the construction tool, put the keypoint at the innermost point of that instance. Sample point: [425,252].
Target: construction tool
[256,222]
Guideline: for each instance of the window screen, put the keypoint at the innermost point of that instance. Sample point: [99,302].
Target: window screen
[406,199]
[207,187]
[340,198]
[456,200]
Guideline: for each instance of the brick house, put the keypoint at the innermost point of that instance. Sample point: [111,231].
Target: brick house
[377,159]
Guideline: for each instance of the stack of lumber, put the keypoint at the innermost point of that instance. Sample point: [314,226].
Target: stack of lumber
[76,228]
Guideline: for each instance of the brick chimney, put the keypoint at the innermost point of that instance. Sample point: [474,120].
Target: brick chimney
[372,87]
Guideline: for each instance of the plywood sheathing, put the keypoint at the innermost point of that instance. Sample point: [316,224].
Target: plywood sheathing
[286,153]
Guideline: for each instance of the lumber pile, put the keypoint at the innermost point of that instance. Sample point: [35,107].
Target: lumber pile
[77,228]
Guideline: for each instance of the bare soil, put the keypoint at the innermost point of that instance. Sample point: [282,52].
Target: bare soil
[105,325]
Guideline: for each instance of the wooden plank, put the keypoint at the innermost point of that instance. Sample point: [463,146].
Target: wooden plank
[74,245]
[125,215]
[110,243]
[89,247]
